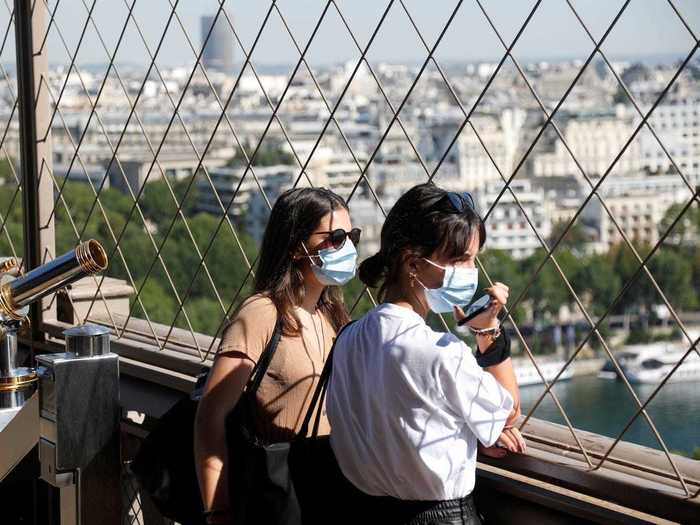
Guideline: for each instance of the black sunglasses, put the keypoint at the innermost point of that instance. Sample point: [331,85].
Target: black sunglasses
[462,201]
[337,236]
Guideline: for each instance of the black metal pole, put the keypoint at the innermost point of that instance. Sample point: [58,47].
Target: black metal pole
[28,154]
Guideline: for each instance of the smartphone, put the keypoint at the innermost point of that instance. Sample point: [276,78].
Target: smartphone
[474,309]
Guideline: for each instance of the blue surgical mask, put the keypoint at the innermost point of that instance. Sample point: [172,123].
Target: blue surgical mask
[458,287]
[337,265]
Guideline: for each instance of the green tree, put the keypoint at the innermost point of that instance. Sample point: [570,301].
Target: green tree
[549,293]
[574,238]
[6,176]
[157,201]
[686,230]
[268,155]
[672,271]
[501,267]
[361,303]
[178,254]
[674,275]
[594,278]
[624,264]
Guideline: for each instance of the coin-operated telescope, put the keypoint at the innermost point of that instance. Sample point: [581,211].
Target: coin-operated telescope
[69,403]
[17,293]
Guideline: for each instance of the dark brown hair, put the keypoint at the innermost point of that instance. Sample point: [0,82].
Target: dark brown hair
[294,217]
[422,220]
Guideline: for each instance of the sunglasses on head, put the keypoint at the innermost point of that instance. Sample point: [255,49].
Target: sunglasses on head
[461,201]
[337,237]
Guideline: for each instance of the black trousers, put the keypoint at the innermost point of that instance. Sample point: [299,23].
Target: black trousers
[327,496]
[448,512]
[359,508]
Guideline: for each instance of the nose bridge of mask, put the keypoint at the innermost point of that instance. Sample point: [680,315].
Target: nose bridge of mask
[460,277]
[335,253]
[451,273]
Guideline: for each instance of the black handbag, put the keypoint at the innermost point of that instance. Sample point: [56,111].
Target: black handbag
[164,465]
[260,487]
[287,483]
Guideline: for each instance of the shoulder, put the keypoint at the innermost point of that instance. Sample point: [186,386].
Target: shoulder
[391,327]
[251,327]
[257,305]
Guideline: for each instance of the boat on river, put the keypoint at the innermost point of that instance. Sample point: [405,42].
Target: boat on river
[650,363]
[631,356]
[655,369]
[526,373]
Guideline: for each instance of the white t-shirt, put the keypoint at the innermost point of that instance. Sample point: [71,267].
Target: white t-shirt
[406,406]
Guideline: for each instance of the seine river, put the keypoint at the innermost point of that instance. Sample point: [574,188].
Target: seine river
[605,406]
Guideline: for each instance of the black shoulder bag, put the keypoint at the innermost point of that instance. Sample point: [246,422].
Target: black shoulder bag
[285,483]
[164,465]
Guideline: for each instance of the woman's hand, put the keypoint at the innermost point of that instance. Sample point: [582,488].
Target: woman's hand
[489,317]
[493,452]
[512,440]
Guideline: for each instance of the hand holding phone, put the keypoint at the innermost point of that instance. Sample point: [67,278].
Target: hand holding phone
[476,308]
[495,298]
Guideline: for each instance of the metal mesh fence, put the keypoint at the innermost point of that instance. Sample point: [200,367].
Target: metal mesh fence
[174,169]
[10,181]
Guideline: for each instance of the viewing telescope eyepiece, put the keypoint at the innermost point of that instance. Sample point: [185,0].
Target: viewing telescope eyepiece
[17,293]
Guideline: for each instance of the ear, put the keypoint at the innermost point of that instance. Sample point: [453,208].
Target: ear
[410,259]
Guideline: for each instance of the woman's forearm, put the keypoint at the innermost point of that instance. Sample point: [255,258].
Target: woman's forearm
[505,375]
[210,459]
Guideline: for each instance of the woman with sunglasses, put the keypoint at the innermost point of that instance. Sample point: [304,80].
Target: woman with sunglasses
[308,251]
[408,405]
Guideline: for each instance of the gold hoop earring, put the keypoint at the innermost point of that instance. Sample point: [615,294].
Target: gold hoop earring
[412,277]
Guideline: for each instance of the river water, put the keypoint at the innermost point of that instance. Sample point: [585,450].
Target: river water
[605,406]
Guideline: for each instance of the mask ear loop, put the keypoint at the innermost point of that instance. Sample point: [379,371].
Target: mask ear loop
[311,257]
[413,280]
[434,264]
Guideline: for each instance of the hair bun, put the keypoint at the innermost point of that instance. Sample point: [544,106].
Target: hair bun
[372,269]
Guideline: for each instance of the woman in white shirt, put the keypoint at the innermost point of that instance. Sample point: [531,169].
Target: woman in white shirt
[407,404]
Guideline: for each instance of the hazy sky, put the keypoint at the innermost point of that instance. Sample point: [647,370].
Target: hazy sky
[647,27]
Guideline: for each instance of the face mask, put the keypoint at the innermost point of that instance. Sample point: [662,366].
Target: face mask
[458,287]
[337,266]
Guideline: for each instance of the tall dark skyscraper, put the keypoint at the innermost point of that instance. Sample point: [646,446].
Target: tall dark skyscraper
[218,53]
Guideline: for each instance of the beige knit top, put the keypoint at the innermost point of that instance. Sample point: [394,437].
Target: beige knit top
[285,392]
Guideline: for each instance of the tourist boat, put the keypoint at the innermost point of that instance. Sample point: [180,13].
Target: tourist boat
[526,373]
[632,356]
[655,369]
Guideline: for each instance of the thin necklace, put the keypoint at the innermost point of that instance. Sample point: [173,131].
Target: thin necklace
[322,338]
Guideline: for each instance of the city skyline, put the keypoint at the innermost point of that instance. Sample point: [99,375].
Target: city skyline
[646,29]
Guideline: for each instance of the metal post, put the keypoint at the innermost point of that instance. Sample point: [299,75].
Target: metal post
[79,427]
[35,145]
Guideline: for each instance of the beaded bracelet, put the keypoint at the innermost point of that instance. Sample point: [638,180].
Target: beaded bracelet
[494,331]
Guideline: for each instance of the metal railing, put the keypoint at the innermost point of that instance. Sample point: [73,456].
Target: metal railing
[146,265]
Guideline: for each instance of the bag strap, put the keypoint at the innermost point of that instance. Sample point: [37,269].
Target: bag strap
[258,373]
[320,391]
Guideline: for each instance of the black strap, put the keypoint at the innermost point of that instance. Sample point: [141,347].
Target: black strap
[317,421]
[497,352]
[258,373]
[320,391]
